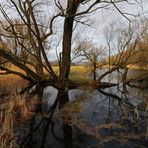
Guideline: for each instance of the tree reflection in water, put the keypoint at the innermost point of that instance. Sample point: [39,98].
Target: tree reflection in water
[106,118]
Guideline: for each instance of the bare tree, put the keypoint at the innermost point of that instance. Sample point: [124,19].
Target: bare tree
[70,14]
[28,35]
[25,36]
[96,56]
[123,45]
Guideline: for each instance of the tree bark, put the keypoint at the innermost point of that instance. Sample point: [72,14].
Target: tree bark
[67,37]
[66,60]
[38,65]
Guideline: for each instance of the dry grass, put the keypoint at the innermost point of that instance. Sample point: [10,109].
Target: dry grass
[15,111]
[10,83]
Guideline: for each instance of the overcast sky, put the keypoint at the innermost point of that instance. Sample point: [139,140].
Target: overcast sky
[104,17]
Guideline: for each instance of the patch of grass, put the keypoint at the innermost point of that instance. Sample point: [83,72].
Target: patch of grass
[80,73]
[76,72]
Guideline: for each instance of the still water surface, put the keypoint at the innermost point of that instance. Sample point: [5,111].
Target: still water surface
[108,118]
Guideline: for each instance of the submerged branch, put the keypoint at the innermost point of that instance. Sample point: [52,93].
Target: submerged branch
[92,84]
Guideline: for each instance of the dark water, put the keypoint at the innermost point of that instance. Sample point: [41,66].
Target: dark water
[108,118]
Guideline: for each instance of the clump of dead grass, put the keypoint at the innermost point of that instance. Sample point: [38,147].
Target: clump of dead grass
[10,83]
[13,112]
